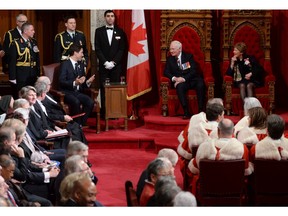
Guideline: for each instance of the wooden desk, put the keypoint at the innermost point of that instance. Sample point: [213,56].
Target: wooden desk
[116,102]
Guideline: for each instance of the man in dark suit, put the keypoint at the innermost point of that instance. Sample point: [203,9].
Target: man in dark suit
[110,46]
[24,61]
[11,35]
[65,39]
[72,81]
[57,113]
[181,70]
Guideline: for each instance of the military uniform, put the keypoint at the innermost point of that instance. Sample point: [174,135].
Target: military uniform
[62,43]
[8,38]
[24,63]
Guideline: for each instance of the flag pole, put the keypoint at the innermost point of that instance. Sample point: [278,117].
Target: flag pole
[134,111]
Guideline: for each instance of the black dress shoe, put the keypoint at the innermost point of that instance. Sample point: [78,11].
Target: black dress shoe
[187,116]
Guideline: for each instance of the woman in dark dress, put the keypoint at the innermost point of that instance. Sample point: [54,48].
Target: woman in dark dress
[247,73]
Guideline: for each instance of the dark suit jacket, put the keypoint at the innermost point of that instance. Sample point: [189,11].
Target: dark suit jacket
[105,51]
[172,69]
[16,50]
[37,126]
[54,110]
[68,75]
[13,34]
[65,39]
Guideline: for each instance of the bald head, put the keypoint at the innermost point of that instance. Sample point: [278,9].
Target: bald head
[225,128]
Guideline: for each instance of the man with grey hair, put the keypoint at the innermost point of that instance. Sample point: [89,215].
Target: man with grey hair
[225,147]
[185,199]
[181,70]
[158,167]
[56,112]
[11,35]
[166,153]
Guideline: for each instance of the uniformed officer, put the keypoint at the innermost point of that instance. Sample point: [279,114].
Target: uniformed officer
[65,39]
[11,35]
[24,65]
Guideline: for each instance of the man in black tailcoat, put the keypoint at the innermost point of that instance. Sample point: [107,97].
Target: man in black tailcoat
[110,47]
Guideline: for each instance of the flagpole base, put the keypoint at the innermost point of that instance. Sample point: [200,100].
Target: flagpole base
[133,117]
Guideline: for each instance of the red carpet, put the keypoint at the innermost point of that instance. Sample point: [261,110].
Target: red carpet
[114,166]
[118,155]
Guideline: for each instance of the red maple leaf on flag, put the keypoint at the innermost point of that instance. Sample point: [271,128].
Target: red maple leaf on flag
[137,35]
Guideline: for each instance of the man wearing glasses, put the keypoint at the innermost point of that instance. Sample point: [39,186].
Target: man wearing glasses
[11,35]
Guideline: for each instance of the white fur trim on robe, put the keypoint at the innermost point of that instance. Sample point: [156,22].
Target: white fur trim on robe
[241,124]
[247,135]
[268,149]
[180,150]
[230,149]
[197,132]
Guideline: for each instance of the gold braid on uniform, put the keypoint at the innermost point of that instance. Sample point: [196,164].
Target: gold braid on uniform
[26,52]
[62,43]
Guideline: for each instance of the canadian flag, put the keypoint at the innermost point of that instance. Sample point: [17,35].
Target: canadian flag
[138,68]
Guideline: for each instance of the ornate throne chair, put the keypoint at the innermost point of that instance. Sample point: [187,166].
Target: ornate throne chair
[193,30]
[253,28]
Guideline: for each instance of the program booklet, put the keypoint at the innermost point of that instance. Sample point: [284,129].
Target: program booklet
[56,134]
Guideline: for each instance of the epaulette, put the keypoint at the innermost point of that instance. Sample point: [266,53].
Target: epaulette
[59,34]
[79,31]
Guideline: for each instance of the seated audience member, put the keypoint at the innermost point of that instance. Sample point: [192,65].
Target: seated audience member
[181,70]
[6,105]
[39,124]
[165,152]
[4,188]
[56,112]
[249,102]
[21,196]
[7,140]
[225,147]
[201,127]
[77,189]
[185,199]
[4,202]
[21,103]
[32,150]
[73,82]
[156,168]
[74,163]
[166,189]
[256,129]
[37,180]
[246,72]
[275,145]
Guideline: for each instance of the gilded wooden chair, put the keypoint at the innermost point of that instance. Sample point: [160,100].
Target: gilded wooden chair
[193,30]
[253,28]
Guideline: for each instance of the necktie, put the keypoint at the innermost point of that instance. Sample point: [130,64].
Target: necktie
[77,69]
[178,63]
[11,198]
[73,36]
